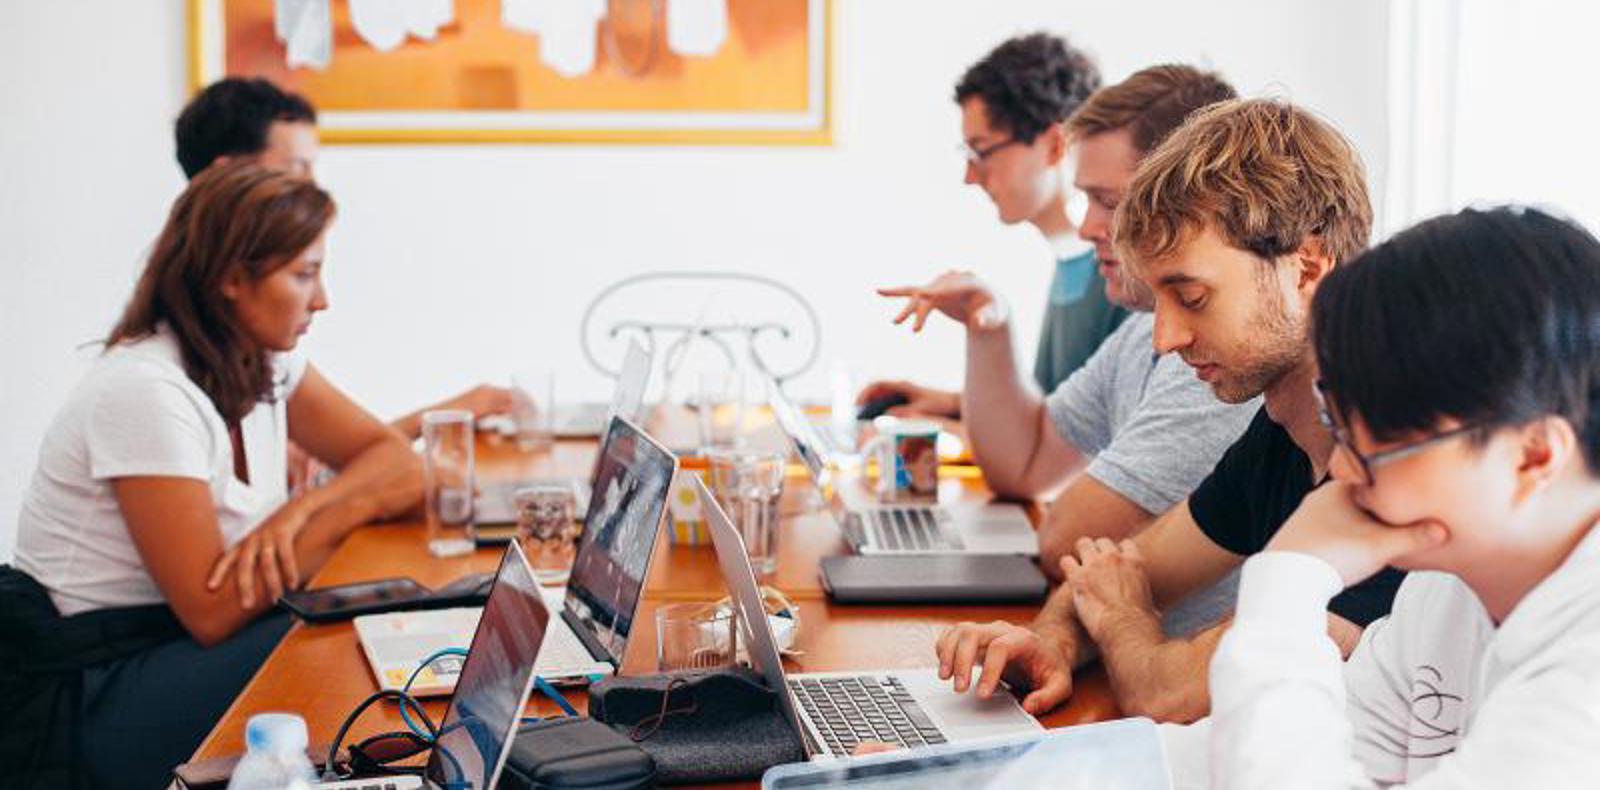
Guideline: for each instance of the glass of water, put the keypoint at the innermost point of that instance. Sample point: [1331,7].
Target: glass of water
[748,485]
[448,480]
[547,524]
[533,408]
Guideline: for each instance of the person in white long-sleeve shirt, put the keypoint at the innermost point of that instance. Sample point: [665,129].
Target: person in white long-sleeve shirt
[1460,363]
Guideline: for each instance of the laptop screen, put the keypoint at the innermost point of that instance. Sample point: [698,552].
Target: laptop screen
[632,380]
[631,480]
[800,431]
[803,437]
[495,681]
[761,645]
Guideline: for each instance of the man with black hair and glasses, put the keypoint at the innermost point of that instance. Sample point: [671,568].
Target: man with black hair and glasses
[1013,104]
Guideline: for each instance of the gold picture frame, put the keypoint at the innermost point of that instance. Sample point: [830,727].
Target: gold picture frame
[749,93]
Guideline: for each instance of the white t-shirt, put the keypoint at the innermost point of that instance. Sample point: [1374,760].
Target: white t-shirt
[137,413]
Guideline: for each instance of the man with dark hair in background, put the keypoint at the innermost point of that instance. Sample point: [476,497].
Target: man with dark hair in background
[1013,104]
[247,117]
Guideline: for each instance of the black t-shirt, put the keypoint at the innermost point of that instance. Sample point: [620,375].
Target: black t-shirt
[1254,489]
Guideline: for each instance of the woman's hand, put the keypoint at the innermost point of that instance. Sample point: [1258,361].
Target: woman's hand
[267,552]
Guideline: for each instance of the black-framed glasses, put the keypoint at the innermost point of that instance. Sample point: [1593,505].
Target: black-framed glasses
[976,156]
[1344,442]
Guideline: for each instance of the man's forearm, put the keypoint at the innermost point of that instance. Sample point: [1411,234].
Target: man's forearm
[1003,415]
[1057,622]
[1164,679]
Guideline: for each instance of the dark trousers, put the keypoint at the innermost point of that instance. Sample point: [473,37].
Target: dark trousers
[145,714]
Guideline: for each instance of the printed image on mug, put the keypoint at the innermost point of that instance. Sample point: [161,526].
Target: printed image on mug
[907,454]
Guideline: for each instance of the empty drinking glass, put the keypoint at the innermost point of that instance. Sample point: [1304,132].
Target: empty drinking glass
[533,409]
[695,636]
[748,485]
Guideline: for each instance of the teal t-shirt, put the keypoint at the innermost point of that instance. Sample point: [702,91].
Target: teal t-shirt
[1077,317]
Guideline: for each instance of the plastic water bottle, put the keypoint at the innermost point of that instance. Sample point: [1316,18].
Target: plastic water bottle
[275,756]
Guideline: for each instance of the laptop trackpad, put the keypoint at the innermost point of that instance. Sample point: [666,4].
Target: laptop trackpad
[964,716]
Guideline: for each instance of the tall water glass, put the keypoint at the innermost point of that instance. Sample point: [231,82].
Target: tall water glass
[533,408]
[447,470]
[748,485]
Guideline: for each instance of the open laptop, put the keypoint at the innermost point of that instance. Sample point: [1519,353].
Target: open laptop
[493,505]
[633,475]
[905,527]
[834,712]
[496,679]
[581,420]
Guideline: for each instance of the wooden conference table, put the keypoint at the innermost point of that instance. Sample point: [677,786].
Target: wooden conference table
[319,671]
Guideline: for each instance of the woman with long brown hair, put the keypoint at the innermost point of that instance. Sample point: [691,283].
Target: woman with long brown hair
[161,487]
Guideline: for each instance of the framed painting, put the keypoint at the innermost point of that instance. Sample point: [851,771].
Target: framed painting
[703,72]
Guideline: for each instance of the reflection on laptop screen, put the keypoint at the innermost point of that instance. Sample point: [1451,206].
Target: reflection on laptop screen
[494,683]
[631,382]
[630,492]
[806,445]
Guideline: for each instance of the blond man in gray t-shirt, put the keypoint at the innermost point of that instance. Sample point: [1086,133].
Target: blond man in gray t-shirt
[1129,434]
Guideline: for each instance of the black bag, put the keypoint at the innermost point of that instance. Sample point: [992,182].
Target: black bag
[575,754]
[715,726]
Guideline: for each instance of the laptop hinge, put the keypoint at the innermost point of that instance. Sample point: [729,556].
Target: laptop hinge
[854,530]
[586,637]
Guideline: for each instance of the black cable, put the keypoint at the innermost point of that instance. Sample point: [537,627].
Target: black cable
[329,773]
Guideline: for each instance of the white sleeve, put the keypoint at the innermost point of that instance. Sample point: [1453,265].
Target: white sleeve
[1278,714]
[1187,762]
[1280,719]
[146,425]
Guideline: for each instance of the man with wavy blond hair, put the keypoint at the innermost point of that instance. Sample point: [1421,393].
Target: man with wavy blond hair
[1232,223]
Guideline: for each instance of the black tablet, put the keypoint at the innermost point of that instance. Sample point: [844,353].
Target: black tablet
[326,604]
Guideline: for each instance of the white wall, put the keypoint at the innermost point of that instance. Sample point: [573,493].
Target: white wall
[452,264]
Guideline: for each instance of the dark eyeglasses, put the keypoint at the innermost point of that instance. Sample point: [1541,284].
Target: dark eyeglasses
[1343,442]
[976,156]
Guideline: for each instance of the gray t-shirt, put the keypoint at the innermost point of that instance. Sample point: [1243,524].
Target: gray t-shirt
[1154,431]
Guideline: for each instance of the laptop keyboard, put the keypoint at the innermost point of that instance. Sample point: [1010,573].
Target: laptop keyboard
[911,529]
[849,710]
[561,651]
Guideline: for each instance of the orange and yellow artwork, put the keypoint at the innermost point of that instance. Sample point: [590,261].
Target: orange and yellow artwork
[759,76]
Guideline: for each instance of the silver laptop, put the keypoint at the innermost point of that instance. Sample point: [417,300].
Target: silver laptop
[494,506]
[496,679]
[633,475]
[582,420]
[910,527]
[835,711]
